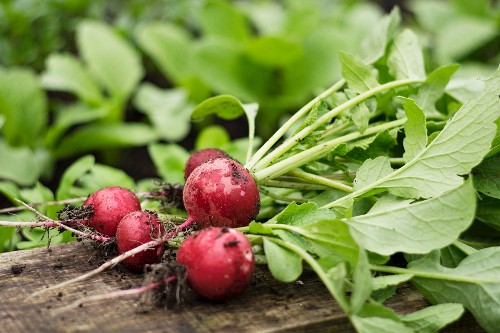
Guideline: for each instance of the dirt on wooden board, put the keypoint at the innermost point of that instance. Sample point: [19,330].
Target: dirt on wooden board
[266,306]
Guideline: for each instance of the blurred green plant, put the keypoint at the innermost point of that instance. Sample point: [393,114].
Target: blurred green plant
[81,76]
[275,54]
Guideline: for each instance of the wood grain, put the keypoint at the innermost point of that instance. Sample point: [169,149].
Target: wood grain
[267,306]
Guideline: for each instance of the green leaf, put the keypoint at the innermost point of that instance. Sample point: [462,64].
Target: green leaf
[66,73]
[224,67]
[169,161]
[168,110]
[415,130]
[495,144]
[362,283]
[405,59]
[419,227]
[224,106]
[459,147]
[237,148]
[101,176]
[105,136]
[433,318]
[378,324]
[71,175]
[38,237]
[110,58]
[371,171]
[23,105]
[488,212]
[370,147]
[214,136]
[70,115]
[375,43]
[40,193]
[359,77]
[268,17]
[331,238]
[475,283]
[284,264]
[384,281]
[337,276]
[487,177]
[460,35]
[464,84]
[433,88]
[18,164]
[169,46]
[387,202]
[273,51]
[223,19]
[6,235]
[303,214]
[451,256]
[259,229]
[361,114]
[10,190]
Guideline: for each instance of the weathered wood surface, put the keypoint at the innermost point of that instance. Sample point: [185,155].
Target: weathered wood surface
[267,306]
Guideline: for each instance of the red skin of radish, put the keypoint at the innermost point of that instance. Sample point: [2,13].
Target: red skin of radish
[135,229]
[221,193]
[219,262]
[201,156]
[110,205]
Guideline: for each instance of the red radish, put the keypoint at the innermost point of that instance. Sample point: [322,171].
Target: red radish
[110,205]
[219,262]
[201,156]
[221,193]
[135,229]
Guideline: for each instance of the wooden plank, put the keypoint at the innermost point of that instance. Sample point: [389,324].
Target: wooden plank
[267,306]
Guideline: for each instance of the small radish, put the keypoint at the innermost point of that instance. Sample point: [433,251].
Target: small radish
[221,193]
[201,156]
[219,262]
[110,205]
[135,229]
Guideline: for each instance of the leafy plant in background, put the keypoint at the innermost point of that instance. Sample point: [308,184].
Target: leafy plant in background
[103,82]
[275,54]
[31,30]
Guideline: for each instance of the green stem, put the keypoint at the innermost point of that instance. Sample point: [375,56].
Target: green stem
[466,249]
[318,151]
[321,180]
[293,185]
[335,130]
[279,197]
[298,137]
[430,275]
[316,267]
[251,135]
[397,161]
[289,123]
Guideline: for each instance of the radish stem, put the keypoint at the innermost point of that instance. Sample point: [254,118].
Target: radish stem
[289,123]
[318,151]
[293,140]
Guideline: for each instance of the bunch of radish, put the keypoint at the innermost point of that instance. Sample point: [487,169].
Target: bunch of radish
[219,194]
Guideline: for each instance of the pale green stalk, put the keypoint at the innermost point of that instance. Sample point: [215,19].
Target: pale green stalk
[289,123]
[321,180]
[298,137]
[429,275]
[292,185]
[319,150]
[317,269]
